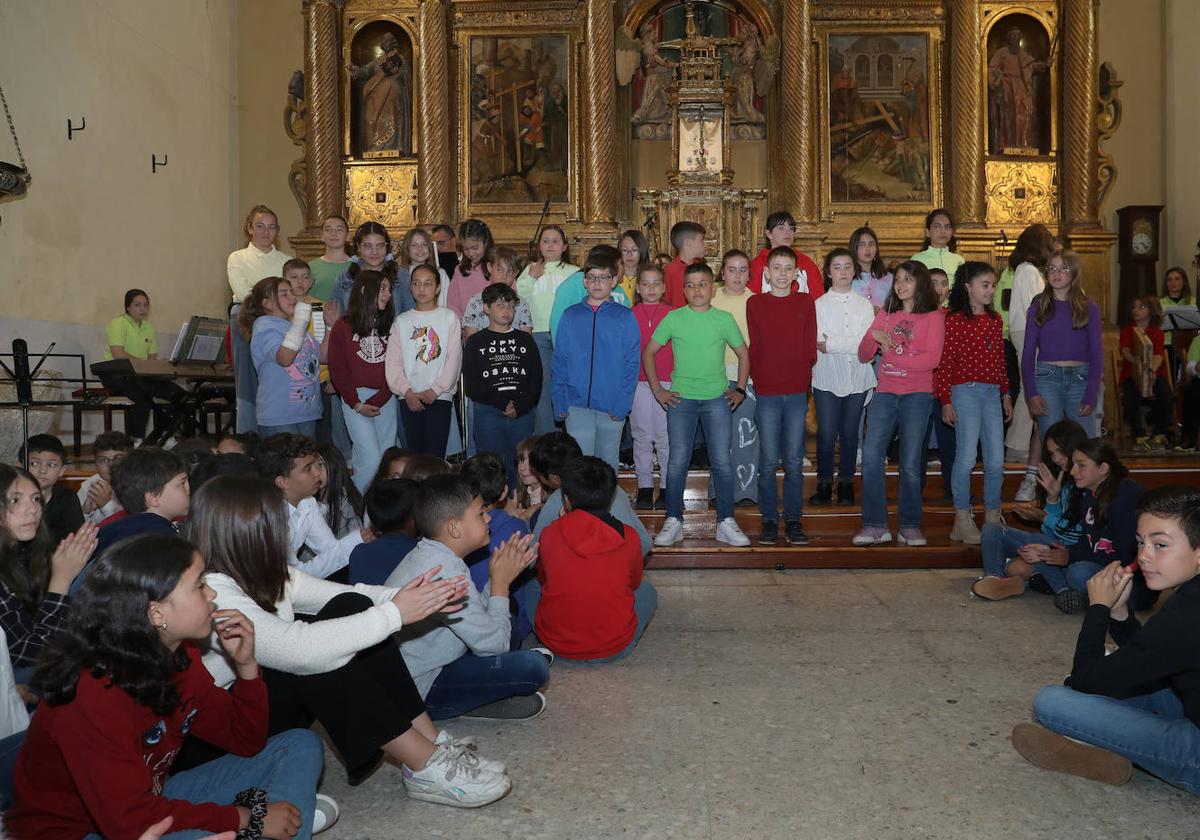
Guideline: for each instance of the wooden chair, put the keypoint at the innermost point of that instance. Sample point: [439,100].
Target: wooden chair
[96,399]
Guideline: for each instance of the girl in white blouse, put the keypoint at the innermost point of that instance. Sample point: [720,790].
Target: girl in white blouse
[841,383]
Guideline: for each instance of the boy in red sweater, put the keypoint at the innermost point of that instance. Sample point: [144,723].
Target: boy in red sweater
[781,232]
[783,350]
[591,603]
[687,238]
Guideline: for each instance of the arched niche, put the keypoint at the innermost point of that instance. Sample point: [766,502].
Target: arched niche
[1019,86]
[379,91]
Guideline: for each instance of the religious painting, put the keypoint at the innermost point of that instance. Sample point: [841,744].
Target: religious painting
[648,59]
[380,71]
[880,142]
[1018,87]
[519,119]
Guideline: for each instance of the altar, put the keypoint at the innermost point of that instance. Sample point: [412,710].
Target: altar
[600,116]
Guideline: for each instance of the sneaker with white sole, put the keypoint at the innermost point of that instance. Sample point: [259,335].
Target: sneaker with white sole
[1027,492]
[545,652]
[671,533]
[326,815]
[872,536]
[911,537]
[521,707]
[448,779]
[730,533]
[470,749]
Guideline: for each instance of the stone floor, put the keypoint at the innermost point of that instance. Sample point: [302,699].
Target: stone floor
[800,704]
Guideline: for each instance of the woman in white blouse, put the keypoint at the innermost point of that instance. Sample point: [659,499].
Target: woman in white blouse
[841,383]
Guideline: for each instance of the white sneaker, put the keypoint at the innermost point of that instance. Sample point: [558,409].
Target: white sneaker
[326,815]
[807,464]
[470,751]
[1027,492]
[671,533]
[448,779]
[728,532]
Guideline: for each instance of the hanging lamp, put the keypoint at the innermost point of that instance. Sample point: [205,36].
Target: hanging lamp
[13,178]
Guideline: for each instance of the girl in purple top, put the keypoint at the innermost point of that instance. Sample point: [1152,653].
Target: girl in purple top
[1063,357]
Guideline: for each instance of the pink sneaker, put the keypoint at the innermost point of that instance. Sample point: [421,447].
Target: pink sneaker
[912,537]
[872,536]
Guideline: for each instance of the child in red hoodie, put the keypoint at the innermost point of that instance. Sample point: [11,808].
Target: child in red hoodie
[592,604]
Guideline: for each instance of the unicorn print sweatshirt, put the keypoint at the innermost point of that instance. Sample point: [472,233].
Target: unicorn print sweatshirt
[424,352]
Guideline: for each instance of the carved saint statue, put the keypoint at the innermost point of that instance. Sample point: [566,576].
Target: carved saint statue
[656,89]
[386,116]
[1012,83]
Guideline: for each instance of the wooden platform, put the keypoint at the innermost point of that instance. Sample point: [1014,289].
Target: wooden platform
[831,529]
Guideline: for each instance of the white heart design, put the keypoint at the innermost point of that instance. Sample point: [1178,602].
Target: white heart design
[746,474]
[747,433]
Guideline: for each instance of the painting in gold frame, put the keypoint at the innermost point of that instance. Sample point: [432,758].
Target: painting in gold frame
[881,144]
[518,118]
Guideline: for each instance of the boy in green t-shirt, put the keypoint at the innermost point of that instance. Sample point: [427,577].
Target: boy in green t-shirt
[700,392]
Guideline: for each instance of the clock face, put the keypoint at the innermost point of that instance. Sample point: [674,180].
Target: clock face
[1141,243]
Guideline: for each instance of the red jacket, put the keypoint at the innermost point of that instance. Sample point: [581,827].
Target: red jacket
[804,267]
[98,764]
[588,574]
[357,362]
[783,343]
[973,351]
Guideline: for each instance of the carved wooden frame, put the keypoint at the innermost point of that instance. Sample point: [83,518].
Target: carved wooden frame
[353,23]
[990,15]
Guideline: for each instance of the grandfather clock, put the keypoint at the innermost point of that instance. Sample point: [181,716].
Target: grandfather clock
[1138,238]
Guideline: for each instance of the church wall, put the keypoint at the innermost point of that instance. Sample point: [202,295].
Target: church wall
[1182,127]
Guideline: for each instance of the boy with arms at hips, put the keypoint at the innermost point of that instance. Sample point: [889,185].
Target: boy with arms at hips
[781,232]
[45,458]
[290,460]
[1141,704]
[699,393]
[687,238]
[591,602]
[783,350]
[595,366]
[96,493]
[462,664]
[152,485]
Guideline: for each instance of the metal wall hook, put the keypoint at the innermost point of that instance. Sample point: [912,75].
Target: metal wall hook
[71,129]
[155,163]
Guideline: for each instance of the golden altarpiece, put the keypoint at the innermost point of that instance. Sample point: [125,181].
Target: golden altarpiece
[607,114]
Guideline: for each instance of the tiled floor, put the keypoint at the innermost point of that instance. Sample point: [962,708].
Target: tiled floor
[821,705]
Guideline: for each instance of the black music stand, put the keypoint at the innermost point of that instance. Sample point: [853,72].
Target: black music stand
[22,378]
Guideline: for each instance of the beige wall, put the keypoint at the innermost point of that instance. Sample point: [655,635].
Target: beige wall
[270,48]
[150,78]
[1181,133]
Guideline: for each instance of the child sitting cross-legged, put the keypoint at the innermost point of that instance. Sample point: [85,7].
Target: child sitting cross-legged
[1141,704]
[464,665]
[152,485]
[327,650]
[486,472]
[389,505]
[96,494]
[122,687]
[590,600]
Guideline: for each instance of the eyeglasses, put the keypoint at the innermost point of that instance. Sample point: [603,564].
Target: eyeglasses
[102,461]
[1058,269]
[597,278]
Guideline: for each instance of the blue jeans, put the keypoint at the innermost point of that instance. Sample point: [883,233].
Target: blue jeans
[781,420]
[1000,544]
[980,424]
[838,418]
[645,602]
[596,433]
[287,769]
[370,435]
[1150,730]
[942,437]
[717,420]
[910,412]
[245,377]
[496,433]
[308,428]
[1080,572]
[1063,387]
[472,681]
[543,415]
[743,450]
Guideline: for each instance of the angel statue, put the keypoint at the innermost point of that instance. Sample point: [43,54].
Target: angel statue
[655,108]
[754,68]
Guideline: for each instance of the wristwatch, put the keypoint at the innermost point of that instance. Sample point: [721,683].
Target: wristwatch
[741,391]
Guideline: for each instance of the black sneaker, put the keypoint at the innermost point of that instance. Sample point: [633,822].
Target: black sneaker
[845,492]
[795,534]
[660,501]
[1071,602]
[1038,584]
[769,534]
[512,708]
[645,499]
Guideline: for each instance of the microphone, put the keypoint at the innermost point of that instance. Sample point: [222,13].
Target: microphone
[21,377]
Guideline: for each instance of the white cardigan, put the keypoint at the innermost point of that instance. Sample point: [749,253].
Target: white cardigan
[297,647]
[843,318]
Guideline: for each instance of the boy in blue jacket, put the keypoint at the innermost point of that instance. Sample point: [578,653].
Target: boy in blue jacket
[595,367]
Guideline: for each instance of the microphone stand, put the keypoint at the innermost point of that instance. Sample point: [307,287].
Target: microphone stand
[535,255]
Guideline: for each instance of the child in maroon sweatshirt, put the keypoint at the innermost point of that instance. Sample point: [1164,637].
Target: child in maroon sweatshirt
[123,686]
[591,602]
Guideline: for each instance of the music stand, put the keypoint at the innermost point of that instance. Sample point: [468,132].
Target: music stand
[1181,318]
[202,341]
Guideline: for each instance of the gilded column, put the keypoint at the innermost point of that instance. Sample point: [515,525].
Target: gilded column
[435,182]
[323,152]
[965,152]
[1081,86]
[601,173]
[796,111]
